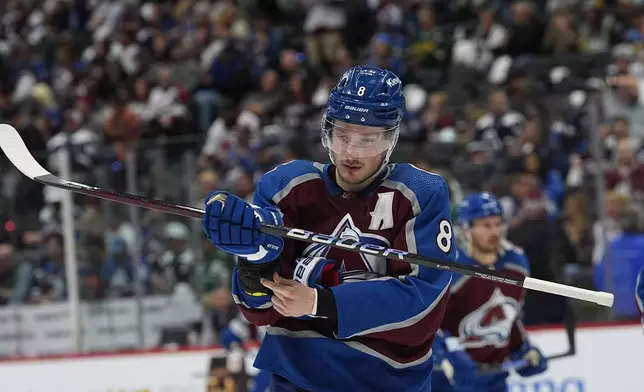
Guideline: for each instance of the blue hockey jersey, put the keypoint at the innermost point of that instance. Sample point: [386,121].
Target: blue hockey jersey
[388,311]
[484,315]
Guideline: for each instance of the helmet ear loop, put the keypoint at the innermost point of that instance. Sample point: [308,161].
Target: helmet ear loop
[326,127]
[393,145]
[327,133]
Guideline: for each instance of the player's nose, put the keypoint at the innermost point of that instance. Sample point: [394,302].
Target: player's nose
[351,152]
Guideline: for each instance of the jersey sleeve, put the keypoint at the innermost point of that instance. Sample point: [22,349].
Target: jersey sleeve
[270,189]
[406,307]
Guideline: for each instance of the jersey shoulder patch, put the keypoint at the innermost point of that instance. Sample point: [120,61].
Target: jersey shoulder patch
[415,182]
[278,182]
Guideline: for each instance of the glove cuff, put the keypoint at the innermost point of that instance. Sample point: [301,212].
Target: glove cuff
[269,215]
[271,244]
[250,275]
[318,272]
[257,301]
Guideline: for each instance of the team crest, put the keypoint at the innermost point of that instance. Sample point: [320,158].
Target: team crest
[374,266]
[490,324]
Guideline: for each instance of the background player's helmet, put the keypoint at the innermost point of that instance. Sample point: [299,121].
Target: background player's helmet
[477,206]
[366,96]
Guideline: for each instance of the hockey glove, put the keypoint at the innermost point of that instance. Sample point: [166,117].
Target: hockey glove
[456,369]
[318,272]
[233,225]
[537,362]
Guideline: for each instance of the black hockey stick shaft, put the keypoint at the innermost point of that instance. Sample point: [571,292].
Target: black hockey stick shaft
[284,232]
[16,151]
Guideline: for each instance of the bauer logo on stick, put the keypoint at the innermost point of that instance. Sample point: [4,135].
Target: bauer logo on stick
[346,243]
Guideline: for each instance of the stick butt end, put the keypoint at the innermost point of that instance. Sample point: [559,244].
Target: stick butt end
[598,297]
[605,299]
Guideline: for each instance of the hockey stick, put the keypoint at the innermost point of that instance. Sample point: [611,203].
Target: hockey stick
[570,325]
[17,152]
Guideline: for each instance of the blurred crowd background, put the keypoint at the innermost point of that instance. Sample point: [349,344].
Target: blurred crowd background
[541,102]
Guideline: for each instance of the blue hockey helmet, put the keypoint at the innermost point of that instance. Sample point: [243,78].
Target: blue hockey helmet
[367,96]
[476,206]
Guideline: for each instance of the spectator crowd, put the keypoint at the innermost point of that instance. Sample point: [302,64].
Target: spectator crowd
[540,102]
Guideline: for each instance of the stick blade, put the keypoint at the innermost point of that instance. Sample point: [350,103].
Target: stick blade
[17,152]
[15,149]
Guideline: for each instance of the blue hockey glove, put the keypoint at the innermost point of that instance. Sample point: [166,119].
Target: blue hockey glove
[457,371]
[639,294]
[537,361]
[318,272]
[233,225]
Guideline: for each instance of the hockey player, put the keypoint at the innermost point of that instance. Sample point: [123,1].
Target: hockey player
[339,320]
[482,325]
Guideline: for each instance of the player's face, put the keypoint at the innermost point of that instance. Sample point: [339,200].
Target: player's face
[358,151]
[486,234]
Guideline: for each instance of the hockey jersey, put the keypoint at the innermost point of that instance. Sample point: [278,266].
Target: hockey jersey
[388,311]
[485,315]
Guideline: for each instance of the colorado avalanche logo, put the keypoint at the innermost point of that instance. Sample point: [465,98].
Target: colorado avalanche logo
[490,324]
[375,266]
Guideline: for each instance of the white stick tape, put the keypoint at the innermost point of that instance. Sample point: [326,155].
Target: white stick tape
[598,297]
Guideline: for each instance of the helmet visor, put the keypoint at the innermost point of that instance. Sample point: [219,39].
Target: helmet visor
[357,141]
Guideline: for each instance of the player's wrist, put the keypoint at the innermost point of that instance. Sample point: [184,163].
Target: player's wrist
[325,304]
[315,303]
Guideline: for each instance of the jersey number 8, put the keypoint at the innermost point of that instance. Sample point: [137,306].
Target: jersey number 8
[444,237]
